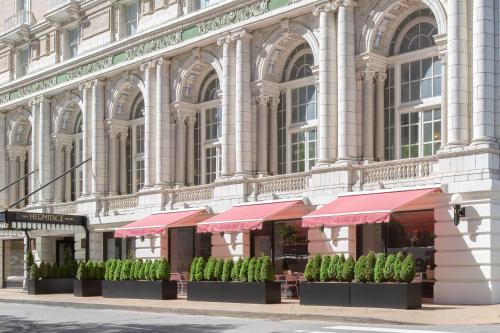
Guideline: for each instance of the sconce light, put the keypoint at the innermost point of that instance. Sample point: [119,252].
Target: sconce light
[142,238]
[458,210]
[221,233]
[322,228]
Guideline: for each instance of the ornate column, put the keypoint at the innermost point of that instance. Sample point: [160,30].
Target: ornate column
[458,69]
[379,118]
[123,161]
[483,58]
[262,138]
[347,147]
[86,139]
[191,121]
[243,103]
[180,148]
[21,185]
[327,94]
[13,175]
[228,136]
[273,135]
[58,170]
[149,117]
[67,165]
[113,159]
[368,114]
[44,152]
[163,129]
[34,151]
[98,139]
[3,160]
[442,44]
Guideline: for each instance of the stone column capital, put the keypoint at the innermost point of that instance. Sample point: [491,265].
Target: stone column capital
[61,140]
[161,61]
[241,35]
[191,119]
[327,7]
[381,77]
[148,65]
[348,4]
[441,41]
[368,75]
[16,151]
[224,39]
[262,99]
[274,102]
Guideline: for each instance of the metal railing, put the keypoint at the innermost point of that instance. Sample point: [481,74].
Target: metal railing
[18,19]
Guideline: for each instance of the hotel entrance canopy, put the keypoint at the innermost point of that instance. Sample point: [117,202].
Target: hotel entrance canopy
[352,208]
[157,223]
[250,216]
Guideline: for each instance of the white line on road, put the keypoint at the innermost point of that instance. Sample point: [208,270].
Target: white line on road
[380,329]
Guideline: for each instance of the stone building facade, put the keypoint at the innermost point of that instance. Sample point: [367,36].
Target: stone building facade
[184,104]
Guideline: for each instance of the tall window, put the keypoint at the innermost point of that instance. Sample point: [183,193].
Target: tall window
[23,5]
[131,18]
[136,148]
[23,59]
[208,132]
[76,158]
[73,41]
[413,83]
[297,118]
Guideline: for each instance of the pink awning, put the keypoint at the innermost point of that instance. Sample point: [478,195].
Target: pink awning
[363,208]
[157,223]
[251,216]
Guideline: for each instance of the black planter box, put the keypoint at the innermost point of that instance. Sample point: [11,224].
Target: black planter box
[324,293]
[234,292]
[87,288]
[386,295]
[50,286]
[159,290]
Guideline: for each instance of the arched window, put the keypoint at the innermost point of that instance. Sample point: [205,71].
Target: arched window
[76,158]
[413,80]
[136,147]
[208,131]
[297,123]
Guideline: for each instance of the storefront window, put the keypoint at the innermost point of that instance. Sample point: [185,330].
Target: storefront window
[13,261]
[118,248]
[184,245]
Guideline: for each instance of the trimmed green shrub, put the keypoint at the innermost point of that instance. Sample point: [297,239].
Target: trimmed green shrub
[200,269]
[359,269]
[266,270]
[371,259]
[325,265]
[332,276]
[339,268]
[348,269]
[235,273]
[117,270]
[308,271]
[210,269]
[389,268]
[244,270]
[80,274]
[107,269]
[29,258]
[251,270]
[379,276]
[408,269]
[219,267]
[89,271]
[258,266]
[145,271]
[152,270]
[192,269]
[163,270]
[317,264]
[398,263]
[125,270]
[227,269]
[137,269]
[101,267]
[34,272]
[312,270]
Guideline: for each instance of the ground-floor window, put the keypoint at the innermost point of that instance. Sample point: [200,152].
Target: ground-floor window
[184,245]
[13,262]
[64,245]
[118,248]
[285,242]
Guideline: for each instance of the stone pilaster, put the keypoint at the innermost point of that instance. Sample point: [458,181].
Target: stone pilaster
[123,161]
[191,121]
[3,161]
[327,94]
[243,103]
[347,147]
[180,147]
[58,170]
[273,135]
[368,114]
[163,128]
[86,138]
[149,70]
[263,132]
[34,150]
[67,179]
[379,117]
[113,159]
[442,43]
[44,152]
[98,139]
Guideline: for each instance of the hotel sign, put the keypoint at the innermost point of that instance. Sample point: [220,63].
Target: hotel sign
[29,217]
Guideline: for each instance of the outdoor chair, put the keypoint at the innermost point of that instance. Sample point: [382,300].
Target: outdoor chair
[291,286]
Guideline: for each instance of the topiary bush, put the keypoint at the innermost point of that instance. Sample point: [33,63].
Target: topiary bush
[34,272]
[258,266]
[266,270]
[325,265]
[308,271]
[192,269]
[125,271]
[332,276]
[80,274]
[371,259]
[359,270]
[348,269]
[219,267]
[147,269]
[398,263]
[389,268]
[251,270]
[200,268]
[227,269]
[89,270]
[408,269]
[339,268]
[317,265]
[244,270]
[209,272]
[379,276]
[117,270]
[163,270]
[153,270]
[235,273]
[29,259]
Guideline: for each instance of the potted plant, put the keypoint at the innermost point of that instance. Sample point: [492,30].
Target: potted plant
[387,283]
[245,281]
[48,278]
[327,281]
[89,278]
[138,279]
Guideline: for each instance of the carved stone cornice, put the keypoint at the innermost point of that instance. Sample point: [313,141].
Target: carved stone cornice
[241,34]
[381,77]
[183,110]
[117,127]
[265,88]
[16,151]
[441,41]
[61,141]
[224,39]
[325,7]
[371,61]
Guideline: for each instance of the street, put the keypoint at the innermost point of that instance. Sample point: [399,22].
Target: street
[41,318]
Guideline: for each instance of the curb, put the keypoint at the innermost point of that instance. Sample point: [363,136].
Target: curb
[218,313]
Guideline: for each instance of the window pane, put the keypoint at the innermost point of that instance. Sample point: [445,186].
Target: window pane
[404,119]
[427,68]
[414,118]
[428,132]
[428,149]
[405,136]
[414,151]
[437,131]
[437,66]
[405,93]
[437,87]
[405,73]
[415,91]
[427,116]
[414,134]
[415,70]
[427,88]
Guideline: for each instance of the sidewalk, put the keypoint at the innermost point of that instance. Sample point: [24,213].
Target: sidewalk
[430,314]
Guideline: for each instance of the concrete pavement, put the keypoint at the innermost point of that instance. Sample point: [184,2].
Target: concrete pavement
[430,314]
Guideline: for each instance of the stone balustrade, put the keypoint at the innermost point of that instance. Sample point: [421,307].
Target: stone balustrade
[193,194]
[67,208]
[397,170]
[121,202]
[18,19]
[293,183]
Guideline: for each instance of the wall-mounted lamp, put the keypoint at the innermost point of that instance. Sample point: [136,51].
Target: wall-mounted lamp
[322,228]
[221,233]
[458,210]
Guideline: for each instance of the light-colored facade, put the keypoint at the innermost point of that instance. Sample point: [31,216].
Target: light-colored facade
[213,103]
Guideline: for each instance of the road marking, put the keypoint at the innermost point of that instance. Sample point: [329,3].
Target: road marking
[380,329]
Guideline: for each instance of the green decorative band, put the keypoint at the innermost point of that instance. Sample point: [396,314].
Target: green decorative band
[156,44]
